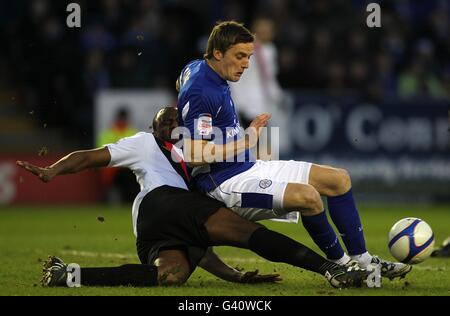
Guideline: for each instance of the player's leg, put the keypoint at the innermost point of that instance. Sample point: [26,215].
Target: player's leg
[336,184]
[273,188]
[225,227]
[304,198]
[170,268]
[173,267]
[55,273]
[297,192]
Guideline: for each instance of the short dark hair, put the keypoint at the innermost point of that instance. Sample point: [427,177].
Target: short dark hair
[163,122]
[226,34]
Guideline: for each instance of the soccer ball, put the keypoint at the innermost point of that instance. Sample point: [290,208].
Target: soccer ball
[411,240]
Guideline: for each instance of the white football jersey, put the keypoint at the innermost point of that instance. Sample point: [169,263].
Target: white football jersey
[142,154]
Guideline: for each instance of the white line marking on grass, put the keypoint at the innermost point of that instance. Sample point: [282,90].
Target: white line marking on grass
[245,260]
[90,254]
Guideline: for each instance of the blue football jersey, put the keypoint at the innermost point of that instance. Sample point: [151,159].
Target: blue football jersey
[205,108]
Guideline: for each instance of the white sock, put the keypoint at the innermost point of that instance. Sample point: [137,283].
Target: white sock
[363,259]
[343,260]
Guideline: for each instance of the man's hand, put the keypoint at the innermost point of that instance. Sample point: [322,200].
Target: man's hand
[252,277]
[254,130]
[260,121]
[45,174]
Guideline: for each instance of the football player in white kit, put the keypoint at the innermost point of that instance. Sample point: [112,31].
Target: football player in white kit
[258,189]
[175,228]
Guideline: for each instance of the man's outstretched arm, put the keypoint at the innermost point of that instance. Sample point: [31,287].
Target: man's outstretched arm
[72,163]
[214,265]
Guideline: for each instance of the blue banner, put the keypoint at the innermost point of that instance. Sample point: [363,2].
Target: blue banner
[390,141]
[321,125]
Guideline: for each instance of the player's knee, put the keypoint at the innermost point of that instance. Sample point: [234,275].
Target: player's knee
[173,274]
[314,201]
[309,199]
[343,182]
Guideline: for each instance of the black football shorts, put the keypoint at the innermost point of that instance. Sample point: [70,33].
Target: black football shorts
[173,218]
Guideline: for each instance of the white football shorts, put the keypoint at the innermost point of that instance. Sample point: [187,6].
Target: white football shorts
[257,193]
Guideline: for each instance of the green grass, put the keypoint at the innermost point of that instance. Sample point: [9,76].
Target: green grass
[29,234]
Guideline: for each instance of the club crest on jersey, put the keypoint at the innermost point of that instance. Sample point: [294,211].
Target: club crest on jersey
[204,124]
[264,184]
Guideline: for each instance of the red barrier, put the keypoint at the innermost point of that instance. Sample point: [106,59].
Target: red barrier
[19,186]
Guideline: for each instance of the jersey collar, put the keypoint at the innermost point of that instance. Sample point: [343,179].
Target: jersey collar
[214,76]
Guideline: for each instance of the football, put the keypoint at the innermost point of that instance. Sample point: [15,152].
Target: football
[411,240]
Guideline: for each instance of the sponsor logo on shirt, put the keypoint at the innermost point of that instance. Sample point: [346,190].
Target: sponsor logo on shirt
[204,124]
[233,131]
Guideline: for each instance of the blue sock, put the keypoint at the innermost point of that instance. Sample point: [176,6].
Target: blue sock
[323,235]
[345,216]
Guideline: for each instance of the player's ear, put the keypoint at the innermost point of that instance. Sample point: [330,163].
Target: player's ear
[218,55]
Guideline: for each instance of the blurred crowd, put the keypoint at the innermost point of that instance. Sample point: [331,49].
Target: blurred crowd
[323,46]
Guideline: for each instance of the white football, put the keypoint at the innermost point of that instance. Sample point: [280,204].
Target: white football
[411,240]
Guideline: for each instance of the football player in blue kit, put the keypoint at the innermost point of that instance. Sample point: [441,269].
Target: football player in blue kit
[256,189]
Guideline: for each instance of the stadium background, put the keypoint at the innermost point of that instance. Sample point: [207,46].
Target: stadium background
[350,98]
[349,106]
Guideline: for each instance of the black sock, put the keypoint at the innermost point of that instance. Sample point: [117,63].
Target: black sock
[126,275]
[279,248]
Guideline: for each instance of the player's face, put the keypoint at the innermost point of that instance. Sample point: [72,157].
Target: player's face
[236,60]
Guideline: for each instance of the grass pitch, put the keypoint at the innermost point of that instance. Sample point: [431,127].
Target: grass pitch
[102,236]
